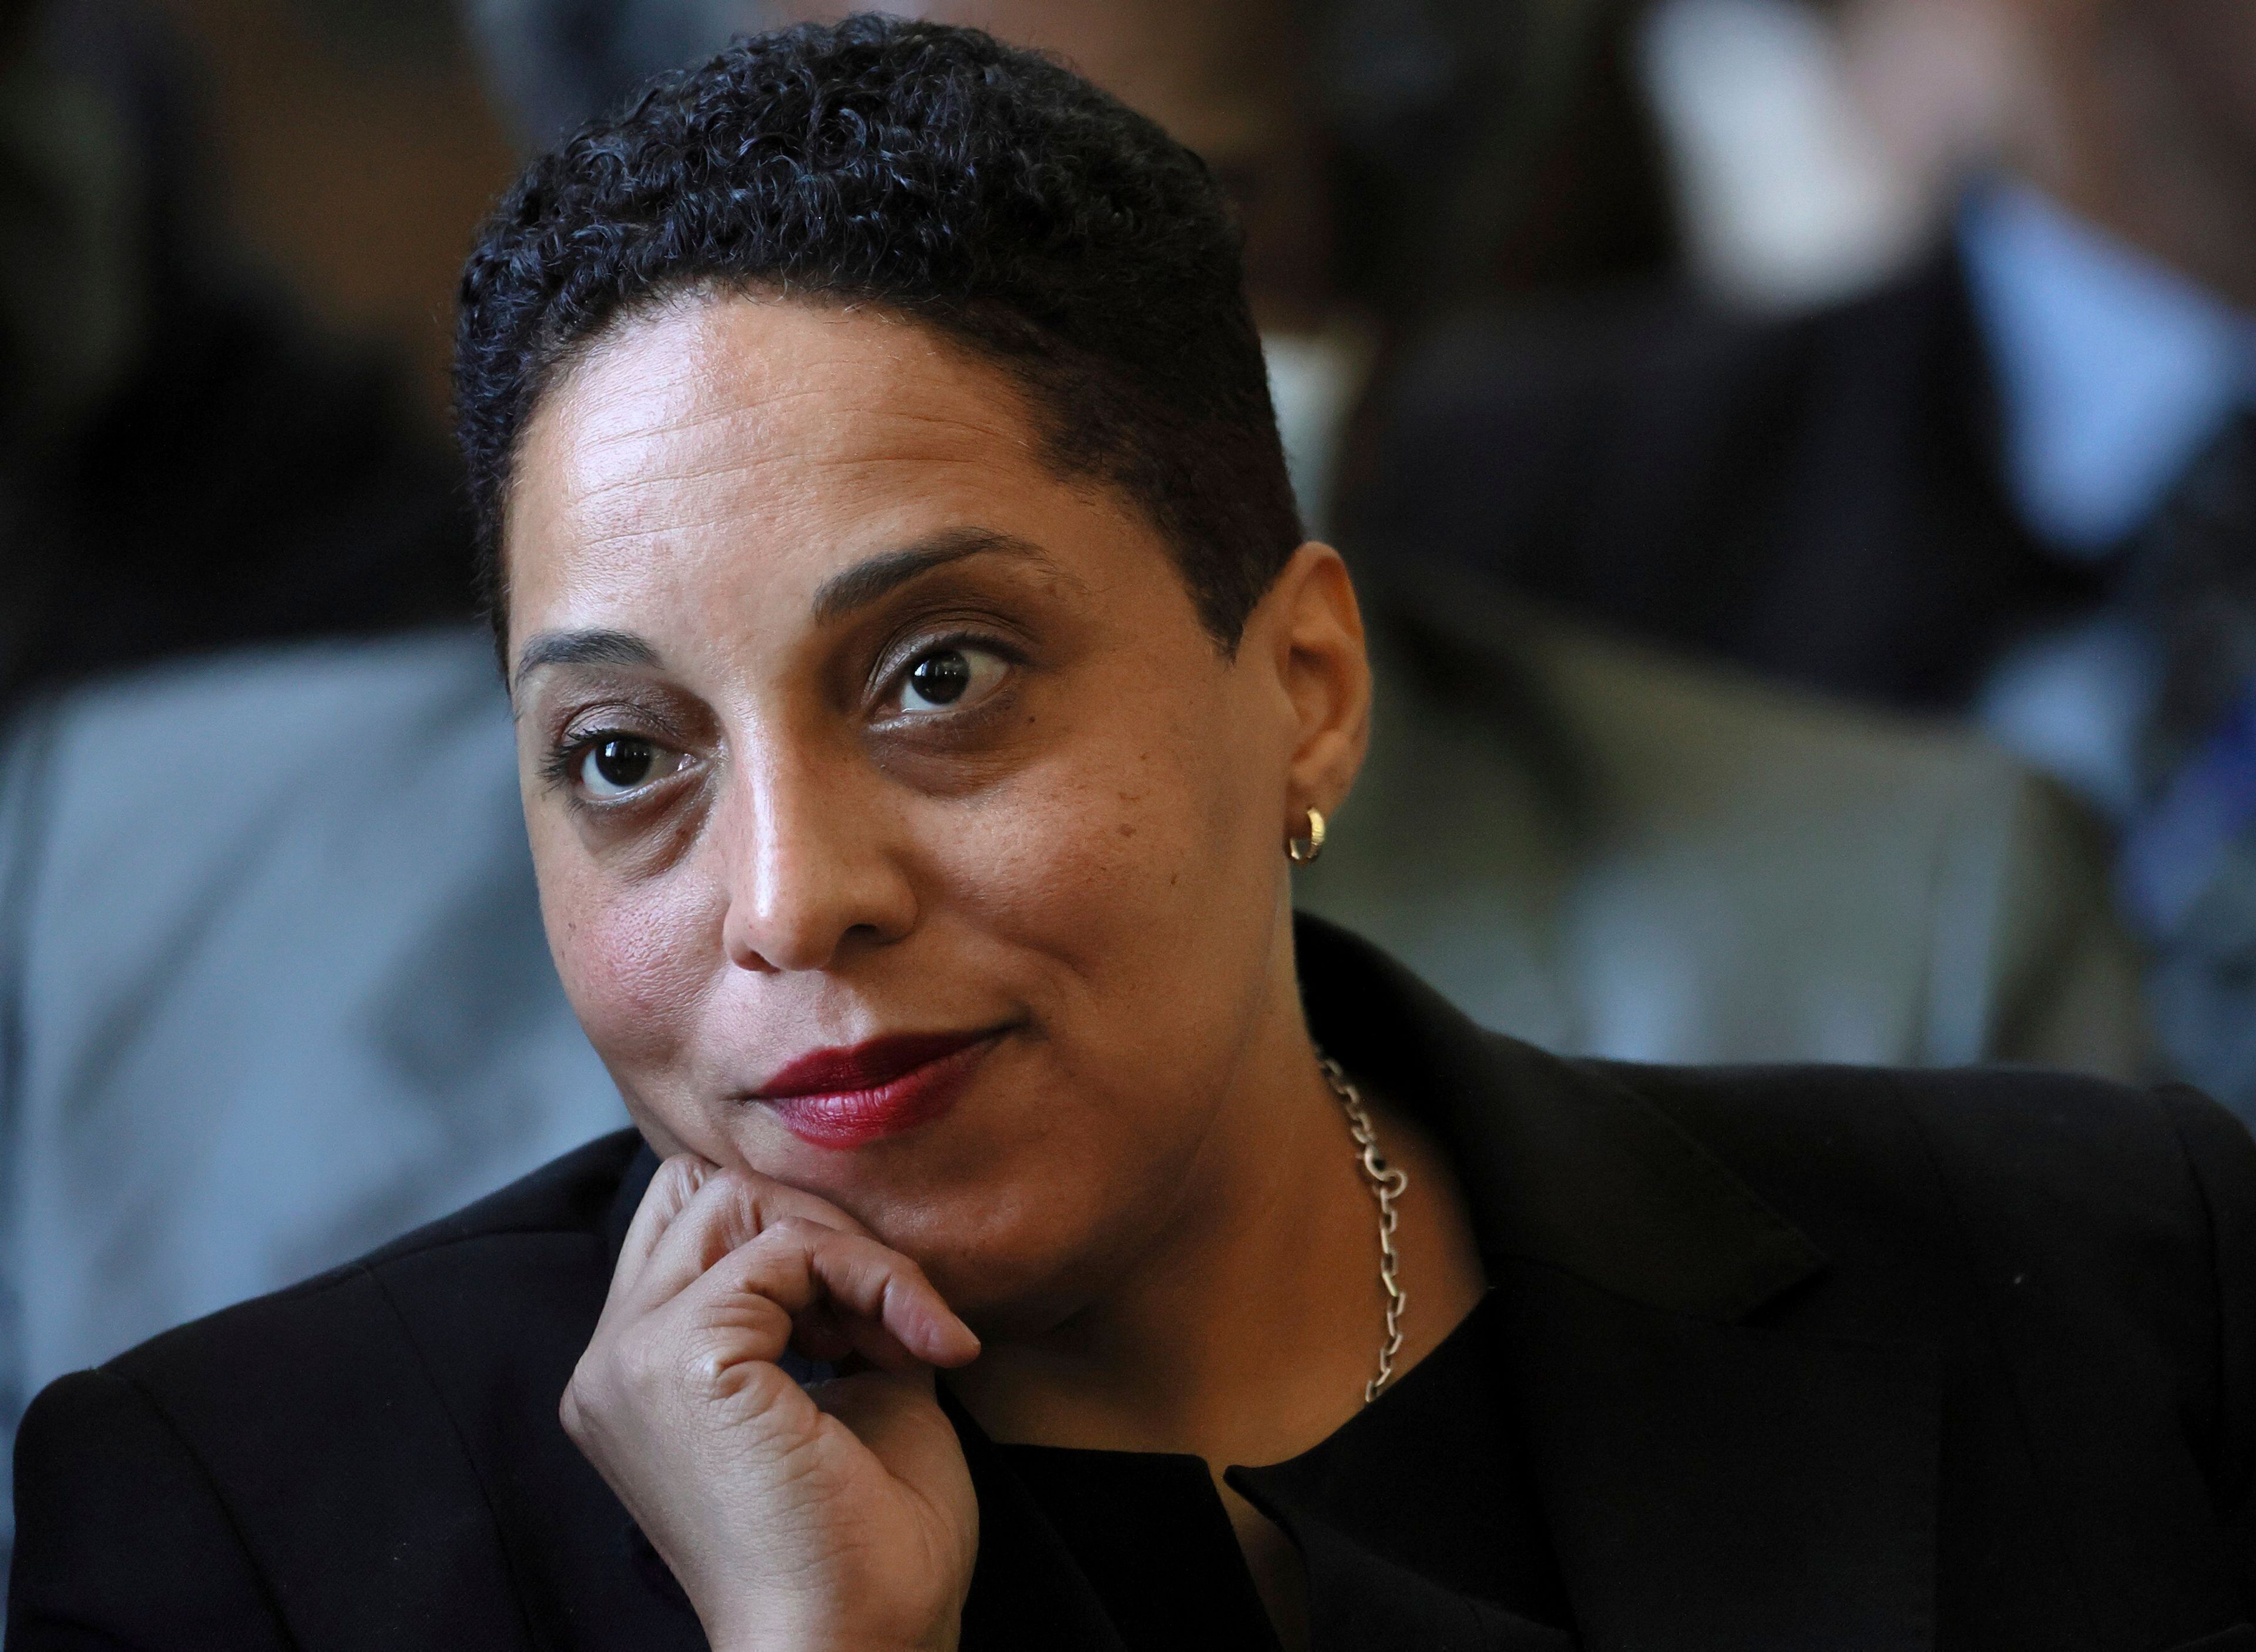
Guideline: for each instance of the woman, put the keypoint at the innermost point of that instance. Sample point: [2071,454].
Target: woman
[923,694]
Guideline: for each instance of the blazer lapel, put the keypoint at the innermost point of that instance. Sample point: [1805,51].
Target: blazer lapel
[1725,1485]
[1711,1480]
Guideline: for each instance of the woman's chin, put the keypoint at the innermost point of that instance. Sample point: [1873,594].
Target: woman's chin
[1017,1280]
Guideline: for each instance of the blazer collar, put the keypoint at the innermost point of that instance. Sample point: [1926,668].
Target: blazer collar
[1567,1167]
[1711,1477]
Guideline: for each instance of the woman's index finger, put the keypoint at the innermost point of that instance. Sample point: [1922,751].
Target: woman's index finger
[729,1208]
[677,1181]
[881,1299]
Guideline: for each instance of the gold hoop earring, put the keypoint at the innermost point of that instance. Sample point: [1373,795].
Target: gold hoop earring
[1302,851]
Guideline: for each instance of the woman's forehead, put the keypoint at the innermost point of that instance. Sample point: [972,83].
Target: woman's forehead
[712,467]
[720,384]
[744,420]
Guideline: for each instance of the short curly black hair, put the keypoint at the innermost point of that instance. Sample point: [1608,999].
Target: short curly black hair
[984,191]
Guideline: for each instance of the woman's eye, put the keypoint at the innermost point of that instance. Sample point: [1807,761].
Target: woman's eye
[948,679]
[616,763]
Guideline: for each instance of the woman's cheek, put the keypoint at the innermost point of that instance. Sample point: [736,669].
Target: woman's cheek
[1064,859]
[635,963]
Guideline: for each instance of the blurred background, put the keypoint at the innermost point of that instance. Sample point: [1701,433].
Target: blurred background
[1827,421]
[227,209]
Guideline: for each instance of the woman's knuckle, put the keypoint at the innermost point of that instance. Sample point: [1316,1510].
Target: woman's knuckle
[905,1272]
[766,1315]
[796,1230]
[587,1376]
[705,1365]
[645,1365]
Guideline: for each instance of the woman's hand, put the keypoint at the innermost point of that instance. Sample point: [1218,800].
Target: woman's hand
[809,1520]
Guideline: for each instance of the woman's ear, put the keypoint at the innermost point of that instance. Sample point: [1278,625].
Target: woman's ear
[1313,634]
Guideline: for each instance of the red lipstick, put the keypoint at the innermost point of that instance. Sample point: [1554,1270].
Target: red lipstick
[852,1096]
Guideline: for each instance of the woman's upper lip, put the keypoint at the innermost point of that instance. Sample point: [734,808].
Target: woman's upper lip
[865,1066]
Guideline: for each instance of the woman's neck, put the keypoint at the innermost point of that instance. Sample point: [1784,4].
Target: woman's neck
[1246,1334]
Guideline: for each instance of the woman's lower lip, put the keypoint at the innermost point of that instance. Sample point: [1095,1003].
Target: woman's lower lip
[856,1118]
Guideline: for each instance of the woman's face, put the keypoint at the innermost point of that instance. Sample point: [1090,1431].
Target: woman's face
[864,757]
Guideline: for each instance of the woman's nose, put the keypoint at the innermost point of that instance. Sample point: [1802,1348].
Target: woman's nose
[810,879]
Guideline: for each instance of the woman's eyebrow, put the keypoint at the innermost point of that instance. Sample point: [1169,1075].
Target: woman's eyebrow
[864,582]
[594,647]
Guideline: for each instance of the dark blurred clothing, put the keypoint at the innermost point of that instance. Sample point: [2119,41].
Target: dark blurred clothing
[2189,867]
[1820,498]
[204,469]
[1883,499]
[245,485]
[1478,148]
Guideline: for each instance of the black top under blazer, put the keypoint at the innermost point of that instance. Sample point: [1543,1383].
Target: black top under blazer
[1804,1358]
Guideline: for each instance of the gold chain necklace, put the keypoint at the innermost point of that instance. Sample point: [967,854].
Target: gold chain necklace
[1387,1183]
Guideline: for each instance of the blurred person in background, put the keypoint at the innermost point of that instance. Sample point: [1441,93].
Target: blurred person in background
[2016,483]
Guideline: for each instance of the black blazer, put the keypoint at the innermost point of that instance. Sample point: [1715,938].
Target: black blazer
[1805,1358]
[1820,497]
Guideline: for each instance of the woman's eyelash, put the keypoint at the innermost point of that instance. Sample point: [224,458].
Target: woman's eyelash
[899,660]
[563,758]
[590,723]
